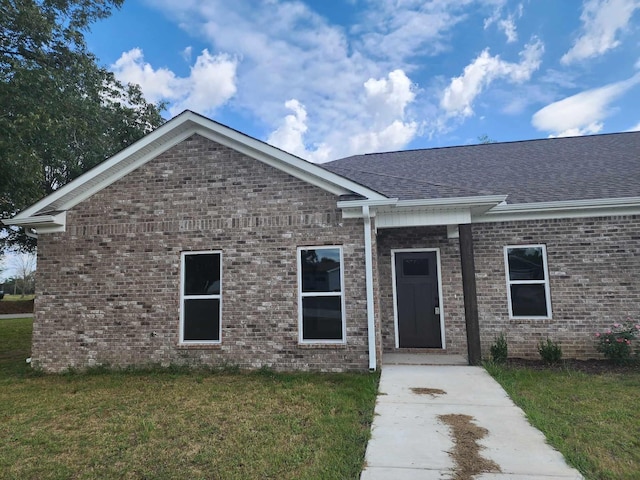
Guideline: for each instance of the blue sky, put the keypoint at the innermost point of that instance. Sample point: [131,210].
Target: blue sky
[327,79]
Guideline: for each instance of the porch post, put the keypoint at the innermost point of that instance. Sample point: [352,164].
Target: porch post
[470,295]
[368,260]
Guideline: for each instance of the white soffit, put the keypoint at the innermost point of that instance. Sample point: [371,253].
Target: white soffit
[394,213]
[397,213]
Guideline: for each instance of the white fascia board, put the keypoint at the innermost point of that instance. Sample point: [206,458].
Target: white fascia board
[49,223]
[358,204]
[471,202]
[433,211]
[489,200]
[290,164]
[172,133]
[603,207]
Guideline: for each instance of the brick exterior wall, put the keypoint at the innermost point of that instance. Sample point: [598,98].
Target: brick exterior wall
[108,288]
[594,270]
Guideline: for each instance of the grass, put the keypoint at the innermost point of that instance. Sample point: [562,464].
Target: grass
[16,298]
[592,419]
[178,423]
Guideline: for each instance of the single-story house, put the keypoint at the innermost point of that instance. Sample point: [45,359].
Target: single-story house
[200,245]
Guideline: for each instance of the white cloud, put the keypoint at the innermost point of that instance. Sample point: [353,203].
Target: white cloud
[211,83]
[379,124]
[156,84]
[386,102]
[582,113]
[399,30]
[186,53]
[309,84]
[388,98]
[458,97]
[288,51]
[602,20]
[290,135]
[507,25]
[635,128]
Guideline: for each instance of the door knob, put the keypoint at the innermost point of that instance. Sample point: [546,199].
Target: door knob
[437,311]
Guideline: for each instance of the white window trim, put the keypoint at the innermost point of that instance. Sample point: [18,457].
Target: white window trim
[545,282]
[302,295]
[184,297]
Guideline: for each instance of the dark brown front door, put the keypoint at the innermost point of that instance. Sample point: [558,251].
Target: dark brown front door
[418,300]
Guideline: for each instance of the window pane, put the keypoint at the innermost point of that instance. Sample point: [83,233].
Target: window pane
[415,266]
[202,274]
[528,300]
[526,264]
[202,319]
[320,270]
[322,318]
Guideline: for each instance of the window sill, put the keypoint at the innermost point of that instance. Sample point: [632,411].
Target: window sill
[322,346]
[199,346]
[537,321]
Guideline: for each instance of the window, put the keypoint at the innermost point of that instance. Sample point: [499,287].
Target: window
[200,297]
[527,281]
[321,299]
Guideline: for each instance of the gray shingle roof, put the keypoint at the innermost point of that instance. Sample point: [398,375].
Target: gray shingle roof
[574,168]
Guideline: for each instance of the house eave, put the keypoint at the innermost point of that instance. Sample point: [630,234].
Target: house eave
[40,223]
[602,207]
[395,213]
[392,213]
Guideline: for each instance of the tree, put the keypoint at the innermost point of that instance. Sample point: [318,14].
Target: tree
[485,139]
[60,112]
[24,267]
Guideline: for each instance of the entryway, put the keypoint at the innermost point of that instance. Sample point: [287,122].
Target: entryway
[417,299]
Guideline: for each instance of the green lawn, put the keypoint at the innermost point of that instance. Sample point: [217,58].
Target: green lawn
[16,298]
[593,419]
[175,423]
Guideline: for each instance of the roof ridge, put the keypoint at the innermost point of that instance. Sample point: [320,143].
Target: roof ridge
[492,144]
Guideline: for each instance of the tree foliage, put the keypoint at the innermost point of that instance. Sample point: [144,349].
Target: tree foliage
[60,112]
[485,139]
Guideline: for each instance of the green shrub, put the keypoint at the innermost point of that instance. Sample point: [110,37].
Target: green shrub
[550,351]
[499,349]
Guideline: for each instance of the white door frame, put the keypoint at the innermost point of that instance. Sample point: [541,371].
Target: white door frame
[395,295]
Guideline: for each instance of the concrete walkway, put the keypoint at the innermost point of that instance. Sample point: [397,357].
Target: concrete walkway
[15,315]
[409,442]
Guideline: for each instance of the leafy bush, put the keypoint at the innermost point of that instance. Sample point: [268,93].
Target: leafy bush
[616,342]
[499,349]
[550,351]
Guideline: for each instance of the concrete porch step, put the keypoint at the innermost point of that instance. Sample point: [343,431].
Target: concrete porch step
[423,359]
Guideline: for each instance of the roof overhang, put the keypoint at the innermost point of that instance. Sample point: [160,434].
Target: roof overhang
[600,207]
[41,223]
[162,139]
[395,213]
